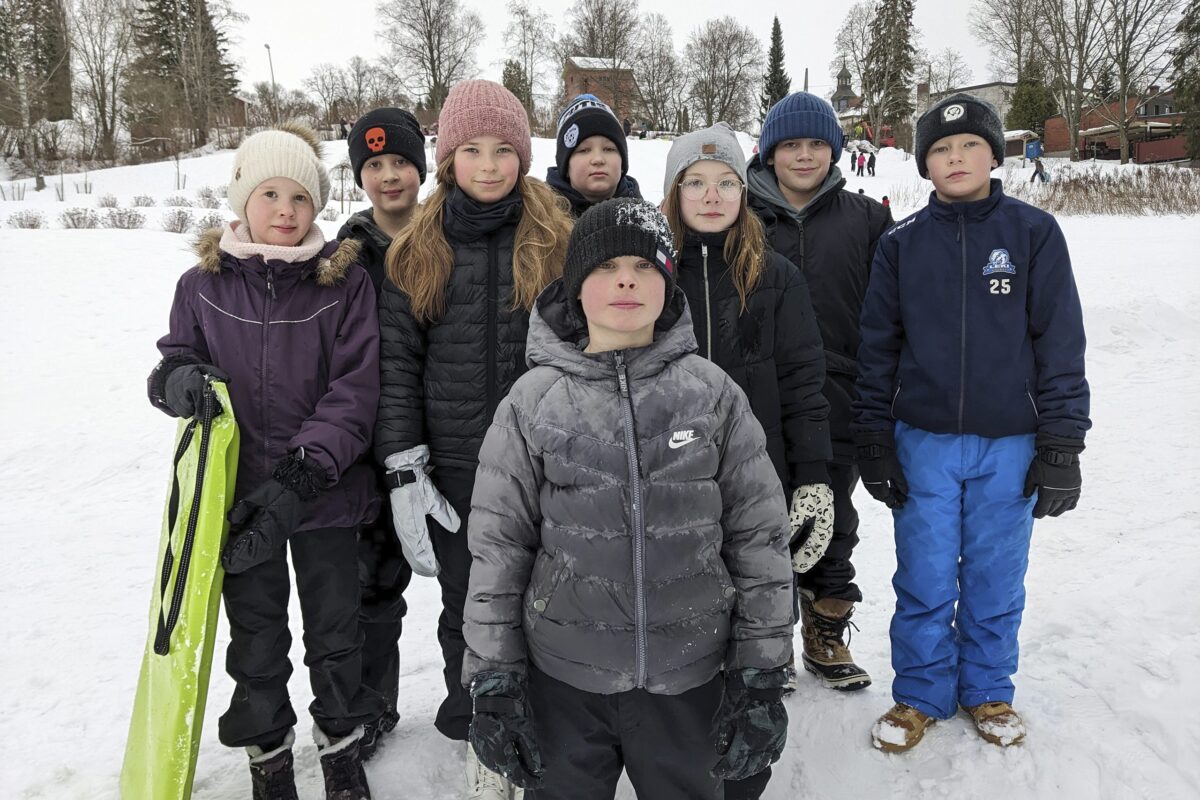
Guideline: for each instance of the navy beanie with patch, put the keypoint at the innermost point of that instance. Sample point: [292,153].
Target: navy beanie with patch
[382,131]
[800,115]
[959,113]
[587,116]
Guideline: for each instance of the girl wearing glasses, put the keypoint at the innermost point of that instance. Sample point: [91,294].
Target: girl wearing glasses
[753,317]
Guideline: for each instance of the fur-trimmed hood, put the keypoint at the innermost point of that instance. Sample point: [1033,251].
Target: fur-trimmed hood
[330,268]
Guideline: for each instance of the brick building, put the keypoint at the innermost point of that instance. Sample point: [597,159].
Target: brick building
[615,87]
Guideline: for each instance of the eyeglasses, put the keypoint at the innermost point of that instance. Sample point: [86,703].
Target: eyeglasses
[695,188]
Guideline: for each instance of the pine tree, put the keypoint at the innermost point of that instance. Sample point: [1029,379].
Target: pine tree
[888,66]
[776,83]
[516,81]
[35,62]
[1187,75]
[1032,101]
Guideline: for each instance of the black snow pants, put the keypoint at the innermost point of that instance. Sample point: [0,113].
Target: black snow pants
[665,742]
[454,714]
[383,575]
[256,603]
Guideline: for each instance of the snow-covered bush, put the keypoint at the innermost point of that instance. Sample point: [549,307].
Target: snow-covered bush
[1129,191]
[330,213]
[177,201]
[177,220]
[144,201]
[124,218]
[222,191]
[106,201]
[206,197]
[26,219]
[79,218]
[212,219]
[352,193]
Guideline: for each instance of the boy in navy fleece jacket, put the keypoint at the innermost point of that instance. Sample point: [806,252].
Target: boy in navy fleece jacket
[971,412]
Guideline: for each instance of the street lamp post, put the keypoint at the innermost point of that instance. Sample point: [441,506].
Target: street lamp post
[274,88]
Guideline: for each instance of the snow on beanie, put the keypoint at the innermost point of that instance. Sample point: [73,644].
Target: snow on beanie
[623,226]
[391,131]
[800,115]
[289,151]
[588,116]
[483,108]
[959,113]
[718,143]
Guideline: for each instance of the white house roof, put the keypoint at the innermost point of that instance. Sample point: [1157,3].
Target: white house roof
[588,62]
[1012,136]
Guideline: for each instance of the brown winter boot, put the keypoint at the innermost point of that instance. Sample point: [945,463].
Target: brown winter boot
[826,655]
[997,722]
[900,729]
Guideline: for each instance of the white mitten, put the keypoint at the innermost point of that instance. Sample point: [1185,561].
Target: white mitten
[414,496]
[812,525]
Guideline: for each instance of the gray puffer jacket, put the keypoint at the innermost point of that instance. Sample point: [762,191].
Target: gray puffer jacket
[628,529]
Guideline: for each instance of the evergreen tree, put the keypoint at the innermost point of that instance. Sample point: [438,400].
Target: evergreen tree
[888,66]
[776,83]
[1104,87]
[35,62]
[1187,75]
[516,81]
[1032,101]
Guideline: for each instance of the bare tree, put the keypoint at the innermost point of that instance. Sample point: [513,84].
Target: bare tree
[528,40]
[432,45]
[1138,38]
[1070,43]
[725,62]
[606,29]
[852,41]
[102,36]
[944,70]
[326,82]
[661,80]
[270,103]
[1006,29]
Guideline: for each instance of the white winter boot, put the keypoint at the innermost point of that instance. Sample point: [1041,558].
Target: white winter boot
[483,784]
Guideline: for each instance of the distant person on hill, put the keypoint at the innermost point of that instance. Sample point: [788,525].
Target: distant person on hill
[1039,171]
[885,202]
[871,164]
[862,162]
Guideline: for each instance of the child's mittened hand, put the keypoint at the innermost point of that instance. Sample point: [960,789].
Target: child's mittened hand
[184,389]
[812,525]
[752,723]
[502,732]
[881,472]
[1054,474]
[261,523]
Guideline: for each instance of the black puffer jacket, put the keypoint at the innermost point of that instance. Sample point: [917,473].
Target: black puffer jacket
[441,383]
[832,240]
[772,351]
[373,244]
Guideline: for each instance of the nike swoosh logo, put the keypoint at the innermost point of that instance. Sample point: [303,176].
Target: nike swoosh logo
[674,445]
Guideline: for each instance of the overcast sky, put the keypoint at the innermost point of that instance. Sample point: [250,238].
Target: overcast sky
[303,33]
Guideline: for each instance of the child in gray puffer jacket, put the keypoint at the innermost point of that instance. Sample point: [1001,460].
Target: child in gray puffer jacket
[631,581]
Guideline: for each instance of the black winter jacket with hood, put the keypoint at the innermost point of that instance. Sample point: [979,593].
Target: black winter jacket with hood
[373,244]
[832,240]
[772,351]
[626,187]
[441,382]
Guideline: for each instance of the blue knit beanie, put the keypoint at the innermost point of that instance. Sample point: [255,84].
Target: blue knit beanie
[800,115]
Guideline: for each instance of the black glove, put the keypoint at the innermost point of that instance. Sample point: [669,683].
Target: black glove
[1054,475]
[751,723]
[261,523]
[502,729]
[185,385]
[880,469]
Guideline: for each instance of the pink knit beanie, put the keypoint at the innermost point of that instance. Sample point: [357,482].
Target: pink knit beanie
[483,108]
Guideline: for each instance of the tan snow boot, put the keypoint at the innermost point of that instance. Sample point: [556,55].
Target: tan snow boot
[900,729]
[822,625]
[998,723]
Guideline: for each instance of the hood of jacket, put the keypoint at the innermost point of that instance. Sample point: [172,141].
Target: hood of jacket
[626,187]
[557,340]
[363,226]
[329,267]
[764,186]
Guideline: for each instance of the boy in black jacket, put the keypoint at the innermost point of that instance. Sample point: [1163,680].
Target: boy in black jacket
[830,234]
[387,153]
[972,400]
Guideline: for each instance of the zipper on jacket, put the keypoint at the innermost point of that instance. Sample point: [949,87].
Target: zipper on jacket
[266,332]
[271,281]
[896,396]
[1032,402]
[639,522]
[492,345]
[962,359]
[707,307]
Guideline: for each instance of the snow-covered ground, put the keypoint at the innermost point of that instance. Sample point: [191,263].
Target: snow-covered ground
[1111,653]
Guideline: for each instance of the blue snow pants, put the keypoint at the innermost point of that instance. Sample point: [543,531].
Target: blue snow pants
[962,547]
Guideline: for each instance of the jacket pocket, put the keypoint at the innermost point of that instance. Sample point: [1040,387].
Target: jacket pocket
[549,574]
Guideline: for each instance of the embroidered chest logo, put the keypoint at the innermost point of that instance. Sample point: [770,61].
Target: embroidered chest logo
[999,261]
[681,438]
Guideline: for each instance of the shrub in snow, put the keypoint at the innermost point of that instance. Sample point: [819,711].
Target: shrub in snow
[210,220]
[79,218]
[177,201]
[143,201]
[207,198]
[352,193]
[124,218]
[106,201]
[222,190]
[330,214]
[26,219]
[177,220]
[1129,191]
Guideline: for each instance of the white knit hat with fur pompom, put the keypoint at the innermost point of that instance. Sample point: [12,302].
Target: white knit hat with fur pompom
[291,151]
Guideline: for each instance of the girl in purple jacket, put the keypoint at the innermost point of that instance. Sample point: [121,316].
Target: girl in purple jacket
[289,321]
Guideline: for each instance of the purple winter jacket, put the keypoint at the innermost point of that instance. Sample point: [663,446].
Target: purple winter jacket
[300,343]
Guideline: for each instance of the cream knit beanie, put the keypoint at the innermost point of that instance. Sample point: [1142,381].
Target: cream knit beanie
[291,151]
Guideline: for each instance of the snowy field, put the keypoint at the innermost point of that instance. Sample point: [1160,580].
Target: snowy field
[1110,668]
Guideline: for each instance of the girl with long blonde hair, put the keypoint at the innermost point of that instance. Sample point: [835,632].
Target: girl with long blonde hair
[454,313]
